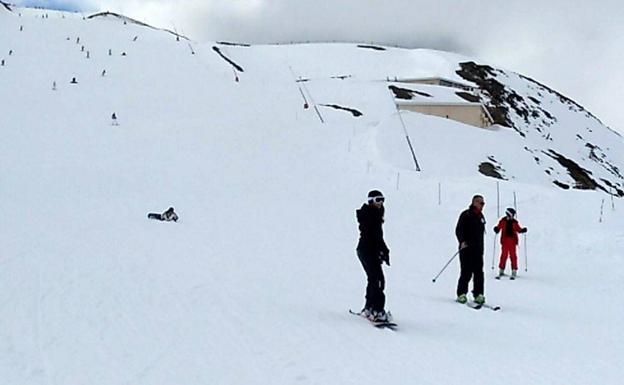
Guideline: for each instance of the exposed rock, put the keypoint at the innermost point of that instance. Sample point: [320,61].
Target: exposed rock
[355,112]
[504,100]
[597,155]
[468,97]
[581,176]
[527,114]
[492,169]
[373,47]
[405,94]
[562,185]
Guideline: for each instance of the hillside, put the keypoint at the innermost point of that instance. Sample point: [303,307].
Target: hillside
[252,286]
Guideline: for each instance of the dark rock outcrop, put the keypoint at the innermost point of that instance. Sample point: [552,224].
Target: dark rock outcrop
[524,110]
[373,47]
[492,169]
[353,111]
[405,94]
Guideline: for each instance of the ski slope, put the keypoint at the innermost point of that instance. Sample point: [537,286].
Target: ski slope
[252,286]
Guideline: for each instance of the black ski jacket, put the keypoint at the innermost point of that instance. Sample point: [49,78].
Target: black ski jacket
[471,229]
[370,220]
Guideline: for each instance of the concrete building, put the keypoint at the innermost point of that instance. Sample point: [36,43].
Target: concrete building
[473,114]
[442,102]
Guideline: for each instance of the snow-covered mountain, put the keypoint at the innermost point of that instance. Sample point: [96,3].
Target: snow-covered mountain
[265,152]
[566,145]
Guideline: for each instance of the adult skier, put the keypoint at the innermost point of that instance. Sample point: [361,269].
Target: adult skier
[469,231]
[509,241]
[372,252]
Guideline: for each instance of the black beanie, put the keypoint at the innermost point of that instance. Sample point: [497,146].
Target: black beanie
[374,193]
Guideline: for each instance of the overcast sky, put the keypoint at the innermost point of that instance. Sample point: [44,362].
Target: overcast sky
[575,47]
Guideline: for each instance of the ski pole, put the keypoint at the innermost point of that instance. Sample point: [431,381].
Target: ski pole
[526,258]
[445,266]
[494,252]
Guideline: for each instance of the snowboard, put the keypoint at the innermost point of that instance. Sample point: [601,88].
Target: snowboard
[378,324]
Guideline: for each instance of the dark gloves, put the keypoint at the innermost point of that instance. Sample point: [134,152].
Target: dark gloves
[496,229]
[523,230]
[385,257]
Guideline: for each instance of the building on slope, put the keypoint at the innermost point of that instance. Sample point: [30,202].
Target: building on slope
[442,101]
[439,81]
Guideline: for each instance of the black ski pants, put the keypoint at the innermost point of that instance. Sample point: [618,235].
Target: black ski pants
[471,265]
[375,297]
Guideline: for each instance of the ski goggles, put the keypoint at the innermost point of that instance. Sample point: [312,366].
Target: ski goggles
[377,199]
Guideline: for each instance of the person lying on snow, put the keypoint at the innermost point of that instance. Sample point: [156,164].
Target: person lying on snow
[168,215]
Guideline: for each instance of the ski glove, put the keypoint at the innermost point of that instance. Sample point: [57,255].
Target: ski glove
[496,229]
[524,230]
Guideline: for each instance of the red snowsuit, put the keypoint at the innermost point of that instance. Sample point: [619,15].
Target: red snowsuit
[509,229]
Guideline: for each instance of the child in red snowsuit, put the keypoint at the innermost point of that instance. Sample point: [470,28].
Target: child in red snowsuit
[509,240]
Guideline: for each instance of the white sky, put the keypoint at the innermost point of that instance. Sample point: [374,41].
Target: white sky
[572,46]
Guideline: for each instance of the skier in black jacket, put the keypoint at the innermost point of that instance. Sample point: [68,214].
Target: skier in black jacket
[372,251]
[470,230]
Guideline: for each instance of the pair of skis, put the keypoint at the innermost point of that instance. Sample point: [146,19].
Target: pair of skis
[477,306]
[378,324]
[511,277]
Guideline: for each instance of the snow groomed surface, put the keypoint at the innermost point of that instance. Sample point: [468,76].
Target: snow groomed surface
[251,286]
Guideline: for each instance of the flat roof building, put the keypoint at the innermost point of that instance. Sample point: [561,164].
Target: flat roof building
[443,102]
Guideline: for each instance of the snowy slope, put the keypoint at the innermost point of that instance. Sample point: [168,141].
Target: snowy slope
[252,286]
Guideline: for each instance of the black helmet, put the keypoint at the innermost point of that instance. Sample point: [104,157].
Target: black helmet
[511,212]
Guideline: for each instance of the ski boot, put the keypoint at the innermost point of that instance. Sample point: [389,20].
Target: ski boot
[462,298]
[514,273]
[501,272]
[480,299]
[382,316]
[366,313]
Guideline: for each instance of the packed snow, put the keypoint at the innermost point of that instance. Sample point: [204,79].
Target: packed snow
[253,284]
